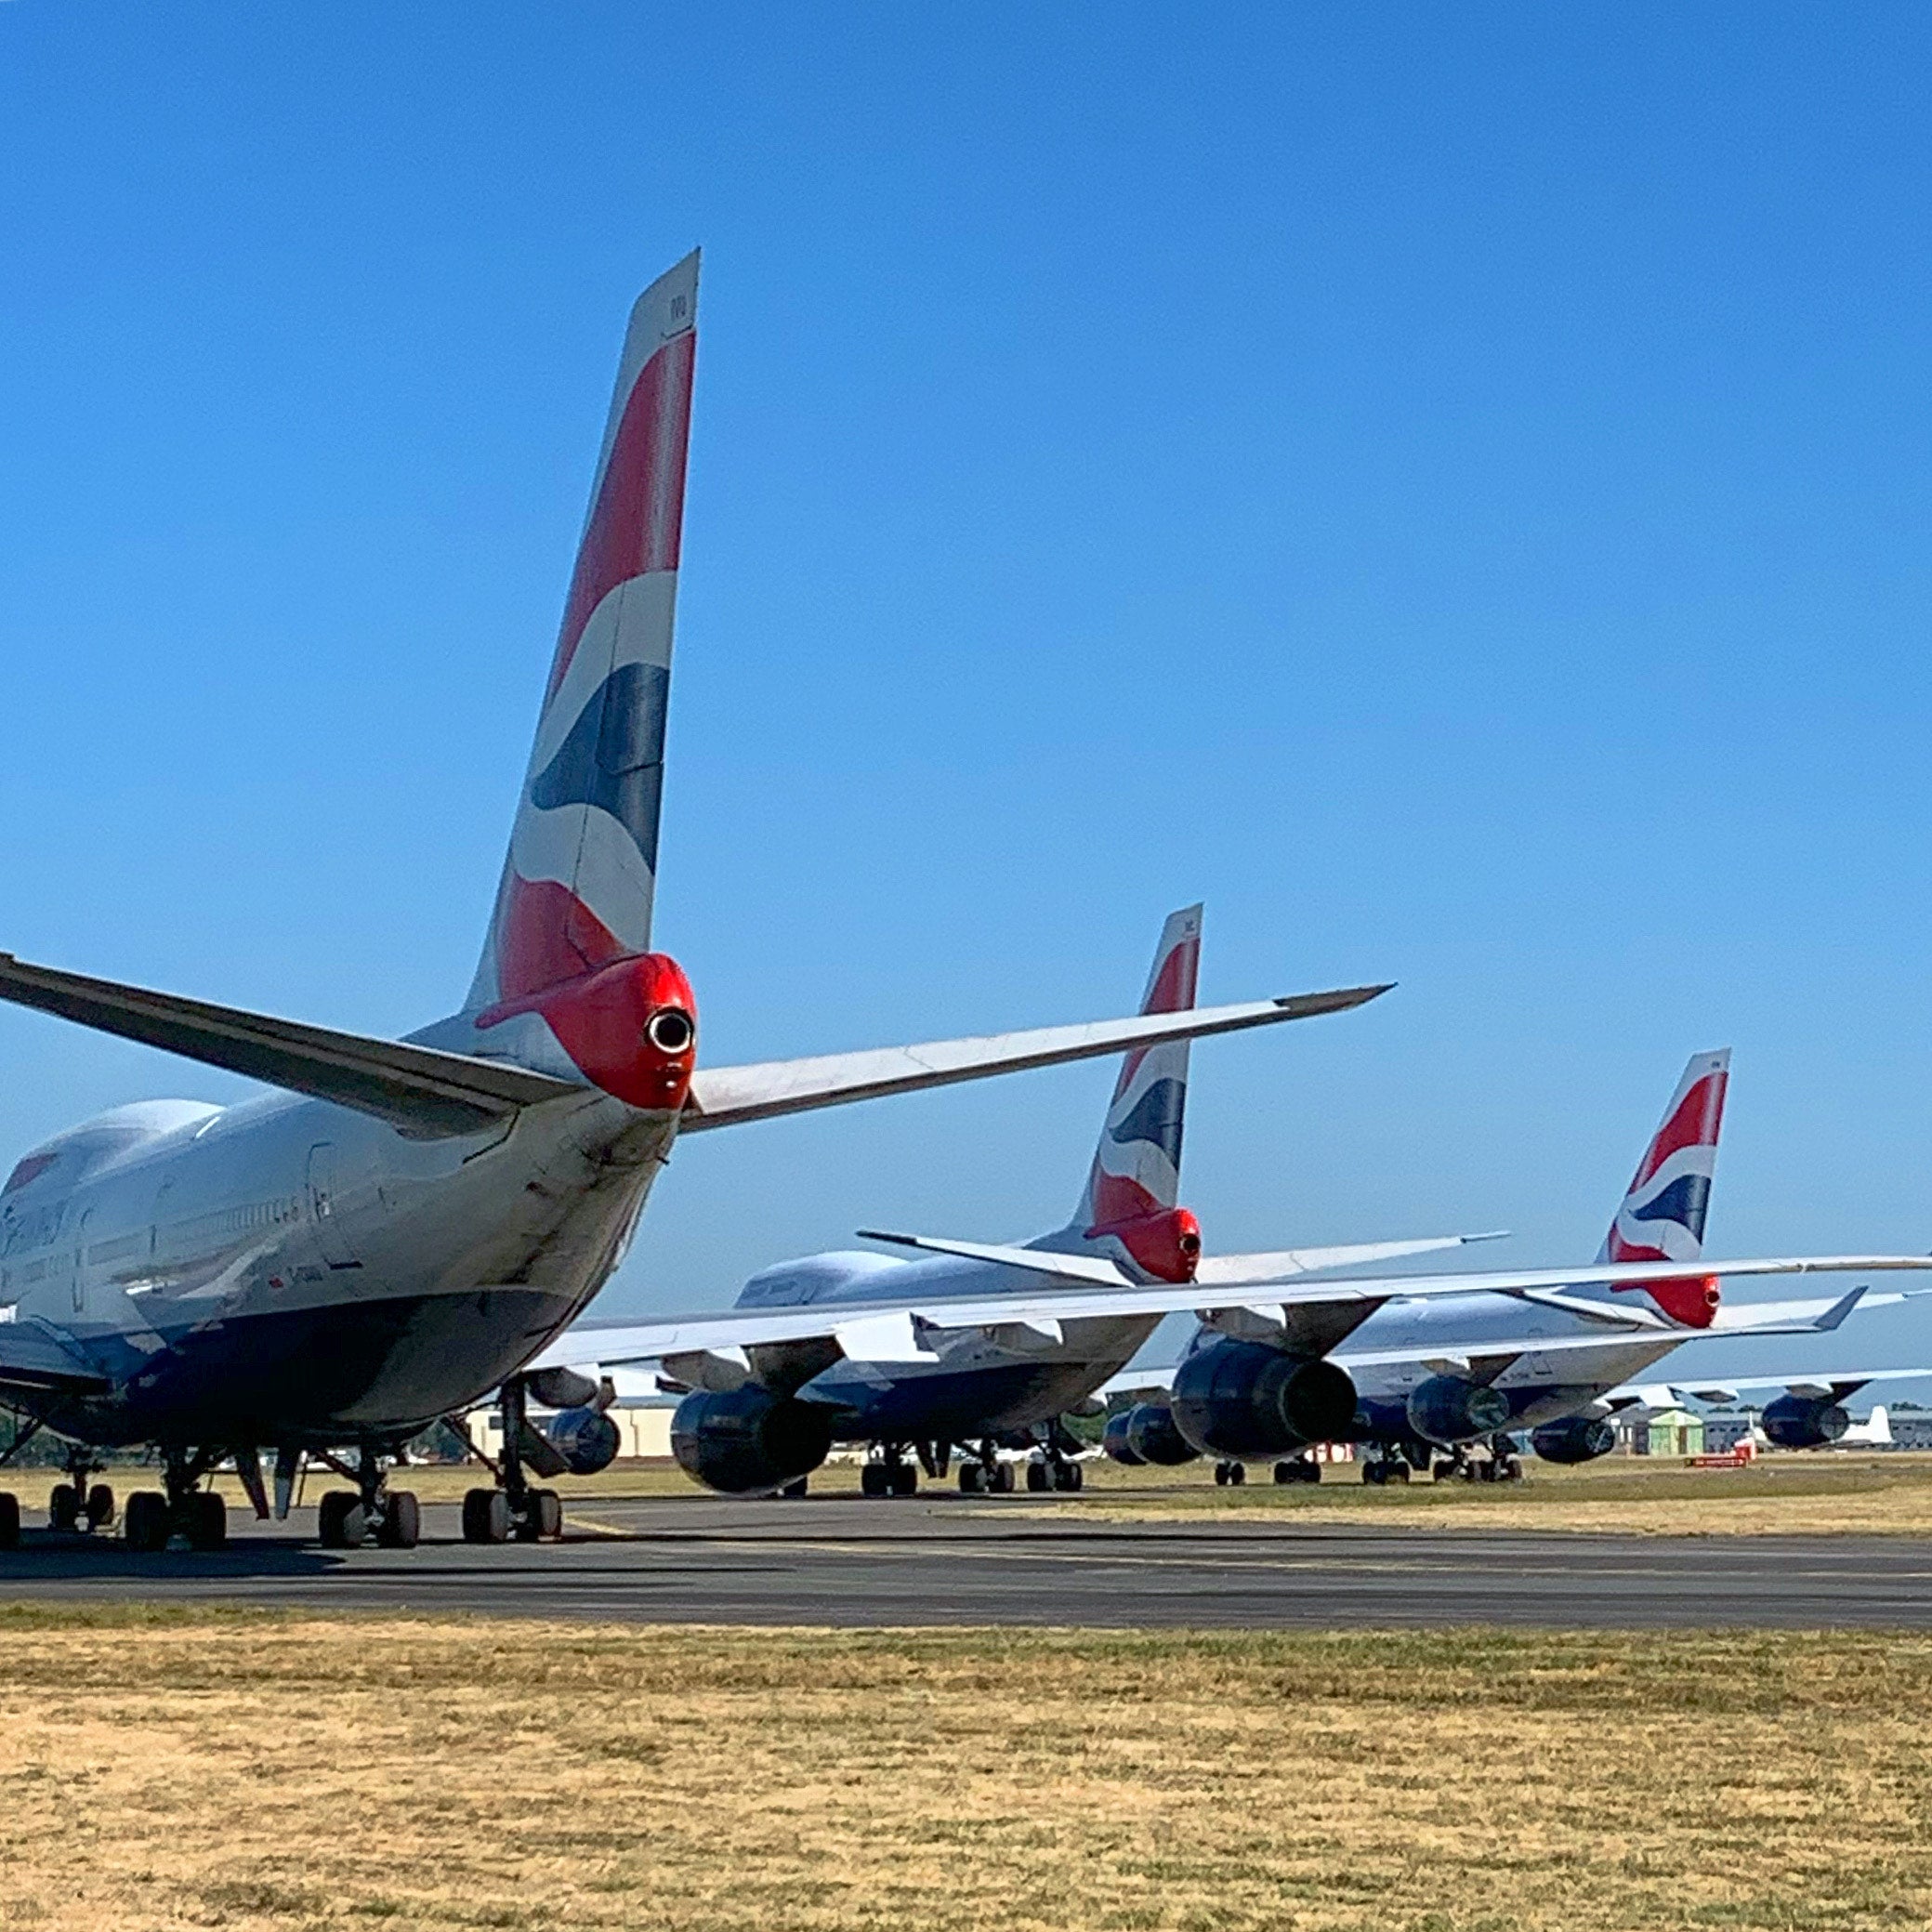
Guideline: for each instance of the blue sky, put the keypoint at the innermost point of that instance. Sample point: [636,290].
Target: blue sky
[1447,485]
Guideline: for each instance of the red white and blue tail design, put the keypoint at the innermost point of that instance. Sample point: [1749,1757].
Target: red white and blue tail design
[578,883]
[1129,1208]
[1662,1217]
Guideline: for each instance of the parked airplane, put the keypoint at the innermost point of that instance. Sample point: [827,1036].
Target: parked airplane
[980,1389]
[1808,1413]
[1436,1378]
[396,1234]
[1270,1374]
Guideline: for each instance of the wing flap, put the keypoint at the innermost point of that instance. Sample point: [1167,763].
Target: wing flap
[32,1361]
[421,1090]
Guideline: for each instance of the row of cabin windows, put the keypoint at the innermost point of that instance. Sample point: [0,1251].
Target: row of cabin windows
[247,1219]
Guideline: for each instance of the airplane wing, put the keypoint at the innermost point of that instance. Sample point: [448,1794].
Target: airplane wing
[1836,1384]
[1790,1318]
[888,1329]
[724,1096]
[32,1360]
[420,1089]
[428,1091]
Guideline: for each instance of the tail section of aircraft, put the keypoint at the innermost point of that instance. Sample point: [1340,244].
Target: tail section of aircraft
[1662,1215]
[1131,1201]
[578,882]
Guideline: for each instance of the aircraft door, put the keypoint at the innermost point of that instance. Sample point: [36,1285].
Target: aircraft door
[324,1208]
[80,1263]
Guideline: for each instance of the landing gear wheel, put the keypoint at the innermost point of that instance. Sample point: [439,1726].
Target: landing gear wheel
[1068,1476]
[1300,1468]
[401,1521]
[144,1522]
[333,1519]
[875,1481]
[207,1521]
[1398,1472]
[1374,1474]
[972,1479]
[486,1517]
[905,1480]
[1230,1475]
[9,1520]
[1039,1476]
[999,1479]
[1470,1472]
[1444,1470]
[1509,1469]
[99,1511]
[63,1506]
[547,1513]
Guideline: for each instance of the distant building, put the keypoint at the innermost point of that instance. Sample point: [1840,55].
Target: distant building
[1674,1432]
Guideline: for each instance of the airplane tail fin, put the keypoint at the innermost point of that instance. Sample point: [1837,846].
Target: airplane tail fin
[1131,1200]
[1662,1215]
[577,883]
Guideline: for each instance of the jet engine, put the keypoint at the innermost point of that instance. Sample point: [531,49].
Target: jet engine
[1448,1409]
[748,1440]
[1804,1422]
[1146,1433]
[1573,1439]
[586,1438]
[1245,1399]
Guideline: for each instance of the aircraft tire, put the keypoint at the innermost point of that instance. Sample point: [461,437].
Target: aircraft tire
[63,1506]
[1001,1480]
[9,1520]
[1039,1476]
[873,1479]
[144,1521]
[99,1511]
[486,1517]
[546,1512]
[332,1520]
[972,1479]
[401,1521]
[905,1480]
[207,1521]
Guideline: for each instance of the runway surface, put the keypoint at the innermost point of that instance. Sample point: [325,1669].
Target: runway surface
[852,1562]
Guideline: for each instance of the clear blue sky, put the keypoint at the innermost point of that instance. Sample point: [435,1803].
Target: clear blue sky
[1447,485]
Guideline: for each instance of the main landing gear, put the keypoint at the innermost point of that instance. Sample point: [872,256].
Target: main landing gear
[888,1473]
[1298,1468]
[1048,1469]
[1385,1466]
[982,1473]
[346,1519]
[516,1510]
[1501,1465]
[153,1519]
[1229,1474]
[77,1503]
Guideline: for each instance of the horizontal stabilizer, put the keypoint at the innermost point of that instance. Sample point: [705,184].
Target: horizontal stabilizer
[724,1096]
[1215,1270]
[421,1090]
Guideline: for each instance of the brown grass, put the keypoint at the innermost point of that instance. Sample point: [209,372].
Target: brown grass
[197,1768]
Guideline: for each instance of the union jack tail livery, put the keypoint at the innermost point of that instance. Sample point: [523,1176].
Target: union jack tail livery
[578,882]
[1130,1205]
[1662,1215]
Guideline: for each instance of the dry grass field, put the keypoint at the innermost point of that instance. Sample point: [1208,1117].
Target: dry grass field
[195,1768]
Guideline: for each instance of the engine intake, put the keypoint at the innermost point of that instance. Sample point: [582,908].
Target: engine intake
[1146,1433]
[1804,1422]
[586,1438]
[748,1440]
[1574,1439]
[1245,1399]
[1448,1409]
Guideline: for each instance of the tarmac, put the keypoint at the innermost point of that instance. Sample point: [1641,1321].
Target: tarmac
[947,1561]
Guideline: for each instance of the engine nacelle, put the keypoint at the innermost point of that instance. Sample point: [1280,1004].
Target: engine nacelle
[748,1441]
[1448,1410]
[1247,1400]
[586,1438]
[1573,1439]
[1804,1422]
[1146,1433]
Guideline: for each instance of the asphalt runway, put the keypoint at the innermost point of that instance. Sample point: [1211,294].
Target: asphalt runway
[945,1560]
